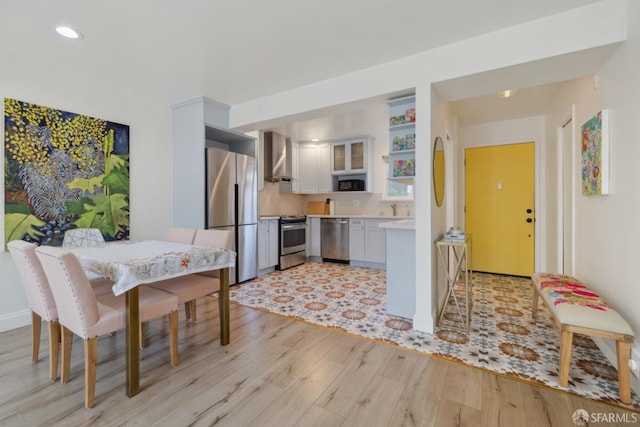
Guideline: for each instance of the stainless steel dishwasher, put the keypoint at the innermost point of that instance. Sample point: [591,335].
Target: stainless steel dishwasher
[334,239]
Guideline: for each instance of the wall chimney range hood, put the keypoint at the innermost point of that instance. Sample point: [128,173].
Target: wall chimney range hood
[277,158]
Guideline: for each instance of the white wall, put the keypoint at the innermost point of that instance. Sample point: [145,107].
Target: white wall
[26,79]
[607,227]
[441,115]
[424,319]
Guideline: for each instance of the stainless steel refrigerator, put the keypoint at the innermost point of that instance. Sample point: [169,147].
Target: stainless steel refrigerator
[232,204]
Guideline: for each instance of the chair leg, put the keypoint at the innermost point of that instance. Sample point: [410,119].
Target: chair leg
[54,349]
[194,314]
[534,303]
[566,338]
[187,310]
[142,341]
[623,349]
[67,340]
[90,361]
[173,337]
[36,324]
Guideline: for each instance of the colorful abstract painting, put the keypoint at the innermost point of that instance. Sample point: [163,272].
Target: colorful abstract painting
[62,171]
[595,155]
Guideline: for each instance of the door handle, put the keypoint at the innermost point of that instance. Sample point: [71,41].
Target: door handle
[529,220]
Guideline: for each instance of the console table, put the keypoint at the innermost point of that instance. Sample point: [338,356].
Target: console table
[455,258]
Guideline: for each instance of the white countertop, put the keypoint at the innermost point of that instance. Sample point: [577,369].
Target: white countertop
[385,217]
[400,219]
[403,224]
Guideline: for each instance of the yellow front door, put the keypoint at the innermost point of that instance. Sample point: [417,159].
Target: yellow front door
[500,195]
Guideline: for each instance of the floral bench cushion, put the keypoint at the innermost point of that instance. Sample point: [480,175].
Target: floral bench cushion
[574,304]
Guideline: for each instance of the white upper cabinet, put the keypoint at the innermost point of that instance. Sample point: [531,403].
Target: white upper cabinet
[324,164]
[313,168]
[349,157]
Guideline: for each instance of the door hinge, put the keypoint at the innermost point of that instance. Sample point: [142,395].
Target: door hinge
[465,161]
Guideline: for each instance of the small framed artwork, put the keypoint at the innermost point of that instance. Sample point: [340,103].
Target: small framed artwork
[595,155]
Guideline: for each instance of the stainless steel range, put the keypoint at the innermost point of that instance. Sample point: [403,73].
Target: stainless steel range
[293,241]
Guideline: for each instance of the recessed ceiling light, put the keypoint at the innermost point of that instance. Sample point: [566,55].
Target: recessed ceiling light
[68,32]
[507,93]
[314,140]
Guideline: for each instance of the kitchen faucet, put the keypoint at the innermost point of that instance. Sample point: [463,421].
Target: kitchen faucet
[393,208]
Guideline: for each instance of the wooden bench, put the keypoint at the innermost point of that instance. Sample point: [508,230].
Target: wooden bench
[576,309]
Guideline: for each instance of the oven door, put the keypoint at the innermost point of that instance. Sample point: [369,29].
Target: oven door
[292,237]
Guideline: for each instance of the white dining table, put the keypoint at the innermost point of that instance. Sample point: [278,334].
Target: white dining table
[130,264]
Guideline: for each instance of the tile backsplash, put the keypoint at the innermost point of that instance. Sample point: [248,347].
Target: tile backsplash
[363,204]
[271,202]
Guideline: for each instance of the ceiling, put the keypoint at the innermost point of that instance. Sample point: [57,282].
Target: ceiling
[235,51]
[526,102]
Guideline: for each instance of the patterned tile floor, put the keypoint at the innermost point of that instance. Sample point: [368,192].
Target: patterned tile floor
[503,337]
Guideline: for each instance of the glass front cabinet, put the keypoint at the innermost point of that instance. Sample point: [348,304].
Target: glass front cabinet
[349,157]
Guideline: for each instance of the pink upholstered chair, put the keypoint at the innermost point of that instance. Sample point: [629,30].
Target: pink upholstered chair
[189,288]
[83,313]
[41,300]
[181,235]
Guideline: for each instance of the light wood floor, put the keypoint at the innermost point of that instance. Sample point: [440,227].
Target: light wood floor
[275,372]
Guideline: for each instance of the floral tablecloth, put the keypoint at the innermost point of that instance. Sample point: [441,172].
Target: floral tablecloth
[130,264]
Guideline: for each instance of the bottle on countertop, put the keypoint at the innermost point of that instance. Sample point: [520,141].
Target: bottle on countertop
[329,207]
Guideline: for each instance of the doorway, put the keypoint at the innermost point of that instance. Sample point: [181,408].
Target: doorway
[499,207]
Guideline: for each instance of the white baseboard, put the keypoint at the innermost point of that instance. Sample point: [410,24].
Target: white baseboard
[424,324]
[376,265]
[610,354]
[265,271]
[15,320]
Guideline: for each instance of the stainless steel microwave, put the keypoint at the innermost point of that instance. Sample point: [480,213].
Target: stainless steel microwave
[351,185]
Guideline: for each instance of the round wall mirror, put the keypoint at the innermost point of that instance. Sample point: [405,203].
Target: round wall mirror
[438,170]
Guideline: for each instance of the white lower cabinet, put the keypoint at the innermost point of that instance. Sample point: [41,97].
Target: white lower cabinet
[274,238]
[375,241]
[367,241]
[356,239]
[313,237]
[267,243]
